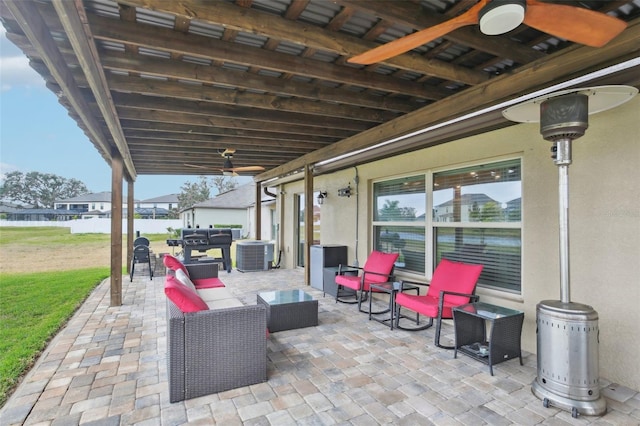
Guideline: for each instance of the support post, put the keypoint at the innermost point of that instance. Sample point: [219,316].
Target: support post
[308,221]
[117,166]
[130,219]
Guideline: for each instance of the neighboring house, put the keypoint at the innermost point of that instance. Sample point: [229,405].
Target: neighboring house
[167,202]
[235,207]
[468,203]
[16,212]
[96,203]
[99,205]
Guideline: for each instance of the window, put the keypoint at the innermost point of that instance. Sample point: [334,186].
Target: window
[399,220]
[477,219]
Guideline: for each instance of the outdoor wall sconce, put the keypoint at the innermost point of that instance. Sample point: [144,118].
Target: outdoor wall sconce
[344,192]
[321,196]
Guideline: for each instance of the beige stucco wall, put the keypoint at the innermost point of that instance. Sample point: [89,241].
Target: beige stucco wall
[604,222]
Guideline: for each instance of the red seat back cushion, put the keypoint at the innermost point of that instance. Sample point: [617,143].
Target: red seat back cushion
[174,263]
[454,276]
[184,298]
[380,263]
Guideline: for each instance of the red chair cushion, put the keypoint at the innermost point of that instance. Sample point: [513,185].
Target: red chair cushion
[184,298]
[424,305]
[454,276]
[174,263]
[448,276]
[380,263]
[350,281]
[208,283]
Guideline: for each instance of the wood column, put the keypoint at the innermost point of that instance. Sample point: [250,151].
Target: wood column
[130,219]
[117,166]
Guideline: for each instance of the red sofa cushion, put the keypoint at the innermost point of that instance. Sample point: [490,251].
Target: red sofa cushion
[183,297]
[174,263]
[212,282]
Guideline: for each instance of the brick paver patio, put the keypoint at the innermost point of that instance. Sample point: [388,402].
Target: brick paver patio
[108,367]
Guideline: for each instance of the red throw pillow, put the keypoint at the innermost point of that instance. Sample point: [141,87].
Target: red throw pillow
[174,263]
[184,298]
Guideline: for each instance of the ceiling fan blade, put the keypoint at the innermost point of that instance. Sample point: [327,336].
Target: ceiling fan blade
[195,166]
[248,169]
[573,23]
[404,44]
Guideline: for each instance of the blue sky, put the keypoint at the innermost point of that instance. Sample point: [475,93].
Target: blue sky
[37,134]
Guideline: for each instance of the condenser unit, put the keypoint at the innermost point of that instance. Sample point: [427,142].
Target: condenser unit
[254,256]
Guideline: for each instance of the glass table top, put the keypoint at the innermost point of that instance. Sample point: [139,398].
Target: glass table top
[487,310]
[281,297]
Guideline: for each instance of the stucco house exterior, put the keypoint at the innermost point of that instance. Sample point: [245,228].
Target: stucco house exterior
[522,245]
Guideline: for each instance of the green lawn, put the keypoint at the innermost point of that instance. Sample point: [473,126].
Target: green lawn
[33,307]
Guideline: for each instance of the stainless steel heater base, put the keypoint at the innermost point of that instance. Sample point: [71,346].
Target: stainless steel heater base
[568,358]
[596,407]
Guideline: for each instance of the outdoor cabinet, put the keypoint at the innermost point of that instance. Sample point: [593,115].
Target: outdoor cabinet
[322,256]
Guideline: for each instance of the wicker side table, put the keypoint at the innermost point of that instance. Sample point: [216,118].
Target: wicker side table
[503,341]
[289,309]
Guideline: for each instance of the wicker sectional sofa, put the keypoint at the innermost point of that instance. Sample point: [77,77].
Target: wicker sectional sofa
[215,349]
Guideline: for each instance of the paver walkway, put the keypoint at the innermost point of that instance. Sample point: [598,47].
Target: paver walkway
[108,367]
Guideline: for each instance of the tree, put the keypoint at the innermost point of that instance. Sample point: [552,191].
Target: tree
[194,193]
[224,183]
[39,189]
[391,211]
[197,192]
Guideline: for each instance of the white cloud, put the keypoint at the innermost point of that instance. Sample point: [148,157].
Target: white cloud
[14,67]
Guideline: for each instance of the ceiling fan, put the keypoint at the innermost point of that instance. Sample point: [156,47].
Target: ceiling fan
[495,17]
[227,168]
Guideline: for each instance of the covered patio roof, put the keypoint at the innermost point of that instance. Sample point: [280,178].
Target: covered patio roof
[168,86]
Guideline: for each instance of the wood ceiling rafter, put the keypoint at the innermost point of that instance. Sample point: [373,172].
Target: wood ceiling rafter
[136,65]
[152,130]
[135,101]
[107,29]
[271,79]
[194,140]
[182,118]
[213,95]
[535,75]
[252,21]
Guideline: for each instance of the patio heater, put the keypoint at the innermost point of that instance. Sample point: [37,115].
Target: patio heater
[567,332]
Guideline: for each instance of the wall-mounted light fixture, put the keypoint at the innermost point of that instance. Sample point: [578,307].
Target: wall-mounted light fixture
[321,196]
[344,192]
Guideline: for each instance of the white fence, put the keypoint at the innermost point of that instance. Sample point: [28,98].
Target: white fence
[103,226]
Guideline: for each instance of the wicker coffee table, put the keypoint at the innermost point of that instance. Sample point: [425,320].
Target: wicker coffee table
[289,309]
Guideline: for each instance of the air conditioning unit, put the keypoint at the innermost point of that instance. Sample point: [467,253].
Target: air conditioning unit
[254,256]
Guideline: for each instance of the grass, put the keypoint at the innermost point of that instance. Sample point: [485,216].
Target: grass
[34,306]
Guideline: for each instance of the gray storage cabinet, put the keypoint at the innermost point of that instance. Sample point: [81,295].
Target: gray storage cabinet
[322,256]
